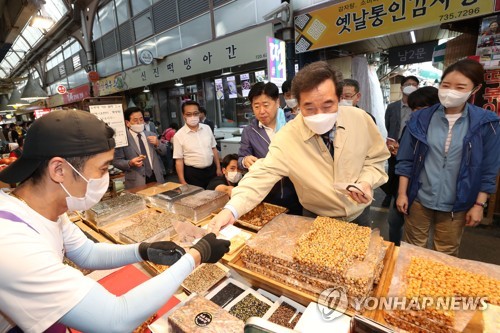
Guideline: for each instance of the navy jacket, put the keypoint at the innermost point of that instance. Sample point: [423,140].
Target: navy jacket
[254,141]
[480,161]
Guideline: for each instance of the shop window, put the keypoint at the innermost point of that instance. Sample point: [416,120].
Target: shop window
[143,26]
[139,5]
[192,8]
[77,79]
[165,15]
[62,70]
[76,62]
[195,31]
[126,35]
[232,109]
[229,18]
[128,58]
[109,66]
[107,18]
[168,42]
[109,44]
[122,10]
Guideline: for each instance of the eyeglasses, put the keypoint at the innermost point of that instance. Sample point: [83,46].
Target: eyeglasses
[194,114]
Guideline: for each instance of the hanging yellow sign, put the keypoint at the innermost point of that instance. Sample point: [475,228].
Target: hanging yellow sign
[355,20]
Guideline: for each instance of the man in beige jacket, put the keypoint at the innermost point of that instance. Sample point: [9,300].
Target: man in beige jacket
[323,147]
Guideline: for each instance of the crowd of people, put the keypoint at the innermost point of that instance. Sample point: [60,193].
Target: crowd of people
[300,155]
[319,155]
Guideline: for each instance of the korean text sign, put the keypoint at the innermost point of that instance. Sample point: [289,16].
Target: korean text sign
[355,20]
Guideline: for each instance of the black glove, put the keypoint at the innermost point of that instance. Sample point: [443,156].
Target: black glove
[162,253]
[211,249]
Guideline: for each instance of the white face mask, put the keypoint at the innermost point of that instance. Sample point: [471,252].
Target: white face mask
[409,89]
[291,103]
[322,122]
[452,98]
[234,176]
[95,191]
[192,121]
[346,102]
[138,128]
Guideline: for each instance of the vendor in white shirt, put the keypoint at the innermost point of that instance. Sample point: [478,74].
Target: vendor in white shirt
[64,167]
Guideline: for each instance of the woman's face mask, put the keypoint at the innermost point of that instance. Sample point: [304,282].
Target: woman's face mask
[451,98]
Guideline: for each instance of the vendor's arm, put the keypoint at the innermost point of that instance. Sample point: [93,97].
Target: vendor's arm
[122,314]
[373,173]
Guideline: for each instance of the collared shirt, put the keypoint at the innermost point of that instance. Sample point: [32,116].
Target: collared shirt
[146,144]
[195,147]
[405,115]
[269,131]
[360,155]
[150,126]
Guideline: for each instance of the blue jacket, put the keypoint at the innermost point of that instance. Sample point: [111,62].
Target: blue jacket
[480,161]
[254,141]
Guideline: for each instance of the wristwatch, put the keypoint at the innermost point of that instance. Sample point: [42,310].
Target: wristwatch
[482,204]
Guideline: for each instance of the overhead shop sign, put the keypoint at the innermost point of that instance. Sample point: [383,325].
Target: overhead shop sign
[72,96]
[356,20]
[243,48]
[411,54]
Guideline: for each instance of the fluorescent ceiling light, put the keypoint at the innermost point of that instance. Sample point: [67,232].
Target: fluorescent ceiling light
[412,35]
[146,89]
[178,83]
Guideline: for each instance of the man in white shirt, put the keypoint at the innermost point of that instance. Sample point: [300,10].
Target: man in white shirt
[195,153]
[140,159]
[64,167]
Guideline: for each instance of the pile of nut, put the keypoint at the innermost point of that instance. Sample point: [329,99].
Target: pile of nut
[203,278]
[148,224]
[331,247]
[262,214]
[429,278]
[318,257]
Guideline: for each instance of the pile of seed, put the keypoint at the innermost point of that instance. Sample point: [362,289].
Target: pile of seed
[284,314]
[227,294]
[204,278]
[248,307]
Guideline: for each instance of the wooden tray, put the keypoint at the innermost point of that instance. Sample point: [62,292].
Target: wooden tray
[262,281]
[254,227]
[474,325]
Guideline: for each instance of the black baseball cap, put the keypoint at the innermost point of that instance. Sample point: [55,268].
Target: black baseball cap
[67,133]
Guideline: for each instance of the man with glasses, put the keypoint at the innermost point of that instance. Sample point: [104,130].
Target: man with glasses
[351,95]
[195,153]
[334,155]
[396,116]
[140,160]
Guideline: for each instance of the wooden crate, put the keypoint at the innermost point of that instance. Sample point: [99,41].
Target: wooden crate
[262,281]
